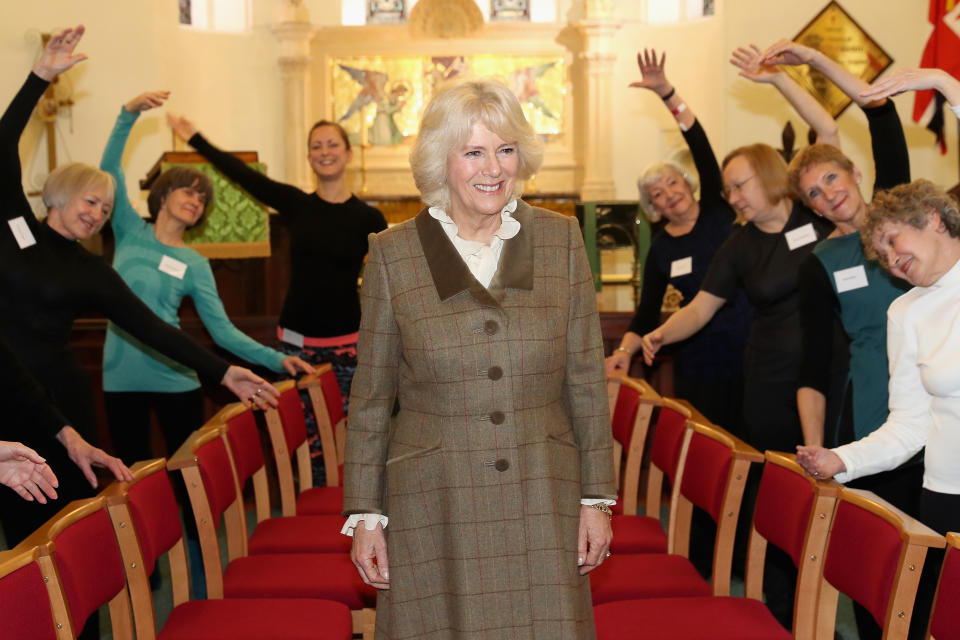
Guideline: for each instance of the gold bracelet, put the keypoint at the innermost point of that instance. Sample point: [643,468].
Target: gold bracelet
[603,508]
[624,350]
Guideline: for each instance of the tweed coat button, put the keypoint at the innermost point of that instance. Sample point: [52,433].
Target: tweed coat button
[501,464]
[490,327]
[497,417]
[494,373]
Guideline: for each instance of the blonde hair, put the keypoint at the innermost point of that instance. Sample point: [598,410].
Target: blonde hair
[910,204]
[815,154]
[653,173]
[446,126]
[69,180]
[768,166]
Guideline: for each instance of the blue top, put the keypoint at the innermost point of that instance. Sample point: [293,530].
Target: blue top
[161,275]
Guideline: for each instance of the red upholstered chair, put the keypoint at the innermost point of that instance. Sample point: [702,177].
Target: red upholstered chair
[31,602]
[146,521]
[875,554]
[214,497]
[293,534]
[645,534]
[714,477]
[632,403]
[288,437]
[80,562]
[793,512]
[945,618]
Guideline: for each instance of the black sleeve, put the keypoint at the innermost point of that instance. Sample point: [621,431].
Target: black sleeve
[274,194]
[890,157]
[117,302]
[818,303]
[711,181]
[12,124]
[27,404]
[722,279]
[647,317]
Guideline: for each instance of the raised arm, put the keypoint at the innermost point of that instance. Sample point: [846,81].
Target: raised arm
[125,218]
[794,53]
[753,67]
[654,78]
[269,192]
[682,324]
[902,80]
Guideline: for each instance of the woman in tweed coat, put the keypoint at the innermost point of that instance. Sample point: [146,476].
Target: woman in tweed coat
[479,317]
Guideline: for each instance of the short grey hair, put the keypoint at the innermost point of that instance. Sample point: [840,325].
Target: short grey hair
[446,126]
[69,180]
[653,173]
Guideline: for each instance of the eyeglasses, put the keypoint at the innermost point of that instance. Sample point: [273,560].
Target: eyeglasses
[729,190]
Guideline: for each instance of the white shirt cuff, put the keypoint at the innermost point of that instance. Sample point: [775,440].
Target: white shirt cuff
[369,520]
[589,502]
[955,109]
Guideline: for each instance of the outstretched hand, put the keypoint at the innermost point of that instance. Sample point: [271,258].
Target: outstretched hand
[788,52]
[58,55]
[295,365]
[902,80]
[819,462]
[86,456]
[750,65]
[652,70]
[147,100]
[24,471]
[181,126]
[251,389]
[651,343]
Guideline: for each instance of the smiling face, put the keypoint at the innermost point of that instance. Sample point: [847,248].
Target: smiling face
[745,192]
[328,153]
[186,205]
[833,192]
[916,255]
[481,175]
[83,215]
[670,195]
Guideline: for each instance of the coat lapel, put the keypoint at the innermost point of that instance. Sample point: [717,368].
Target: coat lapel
[451,275]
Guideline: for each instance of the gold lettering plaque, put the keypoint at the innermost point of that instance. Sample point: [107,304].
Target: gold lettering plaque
[839,37]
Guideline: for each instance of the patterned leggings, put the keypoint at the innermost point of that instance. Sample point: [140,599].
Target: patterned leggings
[344,362]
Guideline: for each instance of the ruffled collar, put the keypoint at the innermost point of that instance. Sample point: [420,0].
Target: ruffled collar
[509,226]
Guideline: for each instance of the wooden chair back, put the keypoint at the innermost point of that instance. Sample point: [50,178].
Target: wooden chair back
[31,600]
[287,428]
[634,402]
[945,617]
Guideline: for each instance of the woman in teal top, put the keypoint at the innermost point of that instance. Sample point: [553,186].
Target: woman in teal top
[156,263]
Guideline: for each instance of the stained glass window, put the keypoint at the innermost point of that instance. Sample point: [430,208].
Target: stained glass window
[509,10]
[386,12]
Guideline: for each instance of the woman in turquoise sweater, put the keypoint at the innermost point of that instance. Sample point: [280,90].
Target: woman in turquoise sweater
[153,259]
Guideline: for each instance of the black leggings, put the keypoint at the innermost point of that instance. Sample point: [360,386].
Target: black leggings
[128,416]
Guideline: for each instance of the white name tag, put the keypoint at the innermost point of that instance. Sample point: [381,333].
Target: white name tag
[681,267]
[850,279]
[292,337]
[21,232]
[173,267]
[800,236]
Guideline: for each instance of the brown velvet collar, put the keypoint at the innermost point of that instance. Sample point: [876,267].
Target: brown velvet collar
[451,274]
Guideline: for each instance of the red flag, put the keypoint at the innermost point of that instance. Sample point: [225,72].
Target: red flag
[943,52]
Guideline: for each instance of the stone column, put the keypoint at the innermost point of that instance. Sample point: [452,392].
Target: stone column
[598,27]
[294,32]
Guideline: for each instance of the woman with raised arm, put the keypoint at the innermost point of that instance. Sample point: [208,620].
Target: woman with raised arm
[328,231]
[49,279]
[155,262]
[838,283]
[708,366]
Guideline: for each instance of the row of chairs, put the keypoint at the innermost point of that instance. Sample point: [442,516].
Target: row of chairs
[292,578]
[839,539]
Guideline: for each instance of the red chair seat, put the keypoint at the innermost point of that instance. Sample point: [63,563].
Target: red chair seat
[300,534]
[294,575]
[320,500]
[649,575]
[717,618]
[637,534]
[291,619]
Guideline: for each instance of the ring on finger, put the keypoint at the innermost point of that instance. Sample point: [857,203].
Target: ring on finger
[608,554]
[259,391]
[251,399]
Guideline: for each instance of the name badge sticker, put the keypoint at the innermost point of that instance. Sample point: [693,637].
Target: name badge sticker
[800,236]
[292,337]
[21,232]
[681,267]
[850,279]
[173,267]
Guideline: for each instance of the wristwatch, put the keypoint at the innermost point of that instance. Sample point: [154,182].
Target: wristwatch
[603,508]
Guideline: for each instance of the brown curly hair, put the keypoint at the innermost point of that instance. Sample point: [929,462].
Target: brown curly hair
[177,178]
[910,204]
[818,153]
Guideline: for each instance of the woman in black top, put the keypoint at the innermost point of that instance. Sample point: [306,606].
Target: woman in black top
[48,279]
